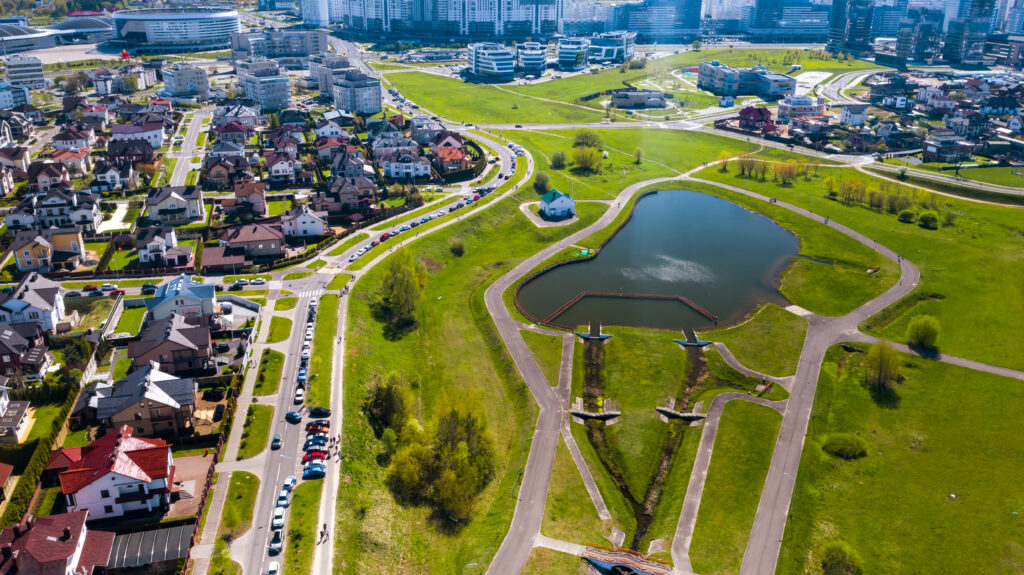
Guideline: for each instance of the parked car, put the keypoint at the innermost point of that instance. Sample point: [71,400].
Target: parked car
[293,417]
[242,282]
[148,290]
[324,423]
[274,568]
[302,374]
[278,521]
[259,282]
[148,285]
[305,352]
[289,482]
[316,454]
[235,287]
[276,443]
[300,395]
[283,499]
[97,293]
[214,394]
[319,412]
[352,257]
[223,347]
[90,287]
[314,471]
[108,287]
[73,294]
[276,542]
[315,443]
[384,237]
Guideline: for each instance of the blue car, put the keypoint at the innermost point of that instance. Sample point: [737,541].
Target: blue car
[292,417]
[302,375]
[314,472]
[314,442]
[97,293]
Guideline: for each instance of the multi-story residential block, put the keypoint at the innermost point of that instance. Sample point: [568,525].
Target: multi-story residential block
[36,299]
[264,83]
[176,205]
[850,27]
[315,13]
[25,71]
[490,62]
[573,53]
[757,81]
[285,45]
[327,68]
[357,93]
[12,96]
[183,80]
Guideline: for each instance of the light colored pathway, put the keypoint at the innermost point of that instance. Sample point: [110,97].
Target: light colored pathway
[785,382]
[559,545]
[116,220]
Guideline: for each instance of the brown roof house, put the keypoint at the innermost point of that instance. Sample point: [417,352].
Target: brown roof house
[258,241]
[178,347]
[149,401]
[54,545]
[250,199]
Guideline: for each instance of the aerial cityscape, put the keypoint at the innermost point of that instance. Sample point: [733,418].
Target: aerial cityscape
[648,287]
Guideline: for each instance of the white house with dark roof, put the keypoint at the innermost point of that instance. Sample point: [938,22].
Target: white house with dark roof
[184,296]
[158,246]
[302,221]
[152,132]
[35,300]
[176,205]
[13,418]
[555,204]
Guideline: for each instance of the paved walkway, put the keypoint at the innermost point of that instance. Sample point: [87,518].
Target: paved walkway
[785,382]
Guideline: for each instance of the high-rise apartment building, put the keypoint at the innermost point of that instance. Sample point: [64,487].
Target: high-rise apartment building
[315,13]
[850,27]
[286,43]
[264,83]
[327,68]
[357,93]
[183,80]
[919,37]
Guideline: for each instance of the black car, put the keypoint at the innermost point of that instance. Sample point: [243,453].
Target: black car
[148,290]
[214,394]
[148,285]
[218,412]
[319,412]
[235,287]
[276,542]
[223,348]
[218,287]
[73,294]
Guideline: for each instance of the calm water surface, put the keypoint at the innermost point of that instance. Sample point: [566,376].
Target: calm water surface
[715,253]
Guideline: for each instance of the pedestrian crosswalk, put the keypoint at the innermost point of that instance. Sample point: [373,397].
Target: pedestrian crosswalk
[310,293]
[275,284]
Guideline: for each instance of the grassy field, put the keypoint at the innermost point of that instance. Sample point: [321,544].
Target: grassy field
[301,535]
[998,175]
[545,561]
[256,433]
[285,303]
[236,518]
[983,242]
[769,341]
[44,415]
[280,329]
[348,243]
[928,479]
[665,154]
[321,364]
[269,375]
[297,275]
[569,514]
[739,464]
[455,358]
[122,367]
[131,320]
[339,281]
[278,207]
[221,562]
[92,310]
[547,350]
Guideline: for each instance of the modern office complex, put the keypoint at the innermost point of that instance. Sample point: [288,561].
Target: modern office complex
[25,71]
[327,68]
[183,80]
[513,19]
[491,62]
[657,20]
[291,48]
[315,13]
[612,47]
[264,83]
[157,30]
[757,81]
[572,53]
[919,37]
[357,93]
[11,96]
[849,27]
[531,58]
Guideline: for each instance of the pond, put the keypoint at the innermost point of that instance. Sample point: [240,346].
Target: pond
[716,254]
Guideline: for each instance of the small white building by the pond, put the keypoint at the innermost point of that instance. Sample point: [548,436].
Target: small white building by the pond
[555,204]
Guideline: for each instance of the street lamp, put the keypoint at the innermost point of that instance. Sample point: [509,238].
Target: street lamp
[468,565]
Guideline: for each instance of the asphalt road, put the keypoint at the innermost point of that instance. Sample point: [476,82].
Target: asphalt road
[188,148]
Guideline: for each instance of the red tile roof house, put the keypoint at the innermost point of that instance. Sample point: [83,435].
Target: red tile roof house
[116,475]
[234,132]
[58,545]
[249,198]
[75,159]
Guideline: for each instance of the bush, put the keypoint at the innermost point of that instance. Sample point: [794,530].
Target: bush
[846,446]
[589,138]
[542,183]
[906,216]
[457,248]
[923,331]
[558,160]
[839,559]
[928,219]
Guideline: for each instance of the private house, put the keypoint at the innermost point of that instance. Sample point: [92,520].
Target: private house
[158,246]
[226,171]
[115,175]
[256,240]
[345,195]
[35,300]
[44,175]
[56,207]
[149,401]
[22,351]
[178,347]
[809,125]
[6,135]
[117,474]
[74,159]
[943,145]
[73,137]
[15,158]
[329,129]
[291,117]
[17,124]
[1000,106]
[131,151]
[58,544]
[351,163]
[225,149]
[152,132]
[386,146]
[286,131]
[446,140]
[403,166]
[285,146]
[14,426]
[234,132]
[282,168]
[98,112]
[452,160]
[555,204]
[47,250]
[6,485]
[250,198]
[73,106]
[303,222]
[853,115]
[182,296]
[327,147]
[240,114]
[425,129]
[754,118]
[6,181]
[29,111]
[377,129]
[176,205]
[970,126]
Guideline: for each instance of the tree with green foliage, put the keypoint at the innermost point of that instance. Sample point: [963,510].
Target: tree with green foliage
[586,159]
[638,155]
[839,559]
[696,45]
[558,160]
[882,366]
[923,331]
[387,406]
[274,122]
[542,183]
[928,219]
[589,138]
[906,216]
[399,295]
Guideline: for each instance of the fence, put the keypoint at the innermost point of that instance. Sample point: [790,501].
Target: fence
[113,318]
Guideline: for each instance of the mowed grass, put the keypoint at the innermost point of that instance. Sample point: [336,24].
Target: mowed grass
[280,329]
[285,303]
[321,364]
[466,102]
[983,243]
[256,431]
[269,375]
[739,464]
[569,513]
[769,341]
[545,561]
[339,281]
[547,351]
[939,488]
[347,244]
[457,360]
[302,529]
[665,153]
[130,320]
[122,367]
[236,518]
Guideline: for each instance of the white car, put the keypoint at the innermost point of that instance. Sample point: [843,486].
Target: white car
[274,568]
[300,394]
[313,302]
[353,257]
[282,498]
[289,482]
[278,521]
[305,352]
[258,281]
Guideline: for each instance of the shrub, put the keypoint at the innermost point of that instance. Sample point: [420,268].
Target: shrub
[542,183]
[457,248]
[589,138]
[923,331]
[839,559]
[846,446]
[928,219]
[558,160]
[906,216]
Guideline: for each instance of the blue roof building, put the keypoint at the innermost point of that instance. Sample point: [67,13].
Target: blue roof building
[184,296]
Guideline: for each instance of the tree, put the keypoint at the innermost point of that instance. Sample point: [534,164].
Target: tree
[387,406]
[923,331]
[542,182]
[399,295]
[131,83]
[882,366]
[589,138]
[558,160]
[586,159]
[638,155]
[928,219]
[457,248]
[839,559]
[696,45]
[906,216]
[785,172]
[274,122]
[723,161]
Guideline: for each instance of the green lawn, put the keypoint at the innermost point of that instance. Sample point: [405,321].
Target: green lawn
[269,375]
[201,139]
[131,320]
[76,438]
[92,310]
[739,464]
[285,303]
[44,415]
[297,275]
[321,364]
[569,514]
[316,264]
[124,260]
[454,355]
[769,341]
[302,531]
[929,478]
[280,329]
[956,287]
[339,281]
[998,175]
[547,350]
[348,243]
[221,562]
[236,518]
[544,561]
[122,367]
[190,178]
[278,207]
[256,432]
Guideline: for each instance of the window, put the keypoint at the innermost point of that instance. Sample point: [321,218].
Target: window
[74,245]
[159,412]
[71,499]
[7,359]
[104,493]
[27,253]
[108,509]
[33,315]
[139,429]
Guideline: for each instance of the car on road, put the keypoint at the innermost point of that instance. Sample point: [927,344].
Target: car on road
[315,454]
[318,423]
[289,482]
[278,521]
[302,374]
[276,541]
[374,243]
[242,282]
[282,498]
[300,395]
[97,293]
[117,292]
[108,287]
[73,294]
[439,213]
[314,443]
[276,443]
[384,237]
[404,228]
[319,412]
[293,417]
[353,257]
[274,568]
[148,290]
[314,471]
[305,352]
[90,287]
[259,282]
